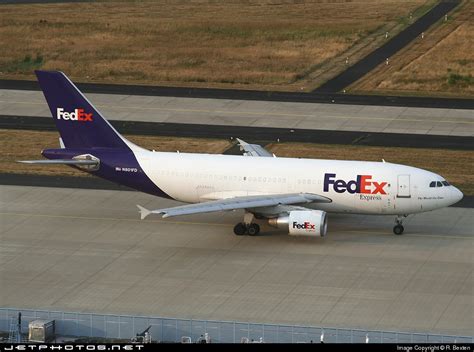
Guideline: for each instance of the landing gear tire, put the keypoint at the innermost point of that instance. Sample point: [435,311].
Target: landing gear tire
[240,229]
[253,230]
[398,229]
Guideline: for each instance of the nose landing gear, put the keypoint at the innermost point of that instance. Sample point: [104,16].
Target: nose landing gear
[247,227]
[398,228]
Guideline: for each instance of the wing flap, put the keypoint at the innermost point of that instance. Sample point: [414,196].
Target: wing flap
[236,203]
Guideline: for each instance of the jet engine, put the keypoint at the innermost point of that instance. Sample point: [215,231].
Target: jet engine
[302,222]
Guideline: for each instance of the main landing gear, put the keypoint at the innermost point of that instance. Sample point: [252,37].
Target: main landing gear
[247,227]
[398,228]
[242,229]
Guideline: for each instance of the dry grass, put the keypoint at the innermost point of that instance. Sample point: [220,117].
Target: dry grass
[27,145]
[251,44]
[455,165]
[440,63]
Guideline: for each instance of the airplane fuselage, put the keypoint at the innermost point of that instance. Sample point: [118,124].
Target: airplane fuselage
[353,186]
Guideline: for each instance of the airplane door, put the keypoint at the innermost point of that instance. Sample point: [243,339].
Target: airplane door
[403,190]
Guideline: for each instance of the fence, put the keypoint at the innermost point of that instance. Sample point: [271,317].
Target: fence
[172,330]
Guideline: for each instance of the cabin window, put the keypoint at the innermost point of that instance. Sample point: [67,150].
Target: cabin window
[433,184]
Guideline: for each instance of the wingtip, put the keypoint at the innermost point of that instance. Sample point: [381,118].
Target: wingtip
[144,212]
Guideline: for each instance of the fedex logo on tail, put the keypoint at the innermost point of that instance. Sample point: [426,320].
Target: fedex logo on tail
[76,115]
[362,184]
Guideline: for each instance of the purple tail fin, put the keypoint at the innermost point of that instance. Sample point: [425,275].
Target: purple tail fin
[79,123]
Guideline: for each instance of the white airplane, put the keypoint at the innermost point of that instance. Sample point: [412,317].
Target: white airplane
[291,194]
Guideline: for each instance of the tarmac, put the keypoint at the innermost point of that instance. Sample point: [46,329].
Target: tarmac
[258,114]
[87,250]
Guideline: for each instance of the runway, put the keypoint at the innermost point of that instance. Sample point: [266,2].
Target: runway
[87,250]
[257,114]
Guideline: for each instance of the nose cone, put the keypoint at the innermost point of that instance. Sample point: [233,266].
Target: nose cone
[456,195]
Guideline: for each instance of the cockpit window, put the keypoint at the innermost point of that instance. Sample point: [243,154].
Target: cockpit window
[446,183]
[439,184]
[433,184]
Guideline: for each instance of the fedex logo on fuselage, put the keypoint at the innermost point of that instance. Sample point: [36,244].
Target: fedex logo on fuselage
[362,184]
[77,115]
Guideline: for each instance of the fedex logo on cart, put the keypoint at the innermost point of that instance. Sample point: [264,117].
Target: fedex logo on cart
[77,115]
[362,184]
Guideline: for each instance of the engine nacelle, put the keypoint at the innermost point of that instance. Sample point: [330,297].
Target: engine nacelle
[302,222]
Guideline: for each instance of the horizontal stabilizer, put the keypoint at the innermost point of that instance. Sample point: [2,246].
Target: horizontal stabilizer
[144,212]
[61,161]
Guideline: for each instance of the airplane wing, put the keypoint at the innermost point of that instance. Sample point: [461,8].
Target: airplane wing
[253,149]
[237,203]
